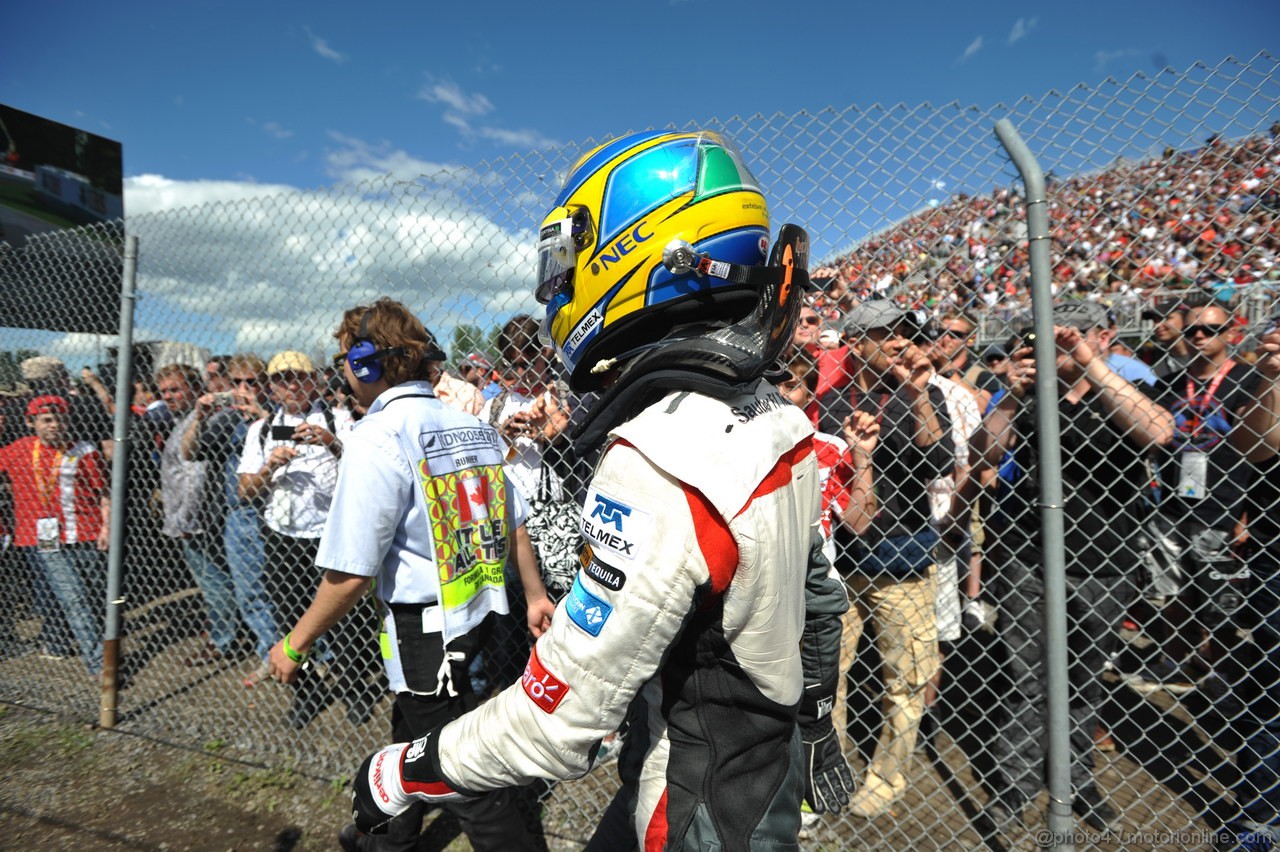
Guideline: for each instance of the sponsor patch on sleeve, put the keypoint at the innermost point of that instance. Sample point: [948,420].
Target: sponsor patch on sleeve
[543,688]
[585,609]
[606,575]
[613,526]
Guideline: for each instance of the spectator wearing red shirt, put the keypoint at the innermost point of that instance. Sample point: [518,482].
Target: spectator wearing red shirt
[61,505]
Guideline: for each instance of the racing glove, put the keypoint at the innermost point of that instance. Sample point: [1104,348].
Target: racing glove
[828,783]
[391,780]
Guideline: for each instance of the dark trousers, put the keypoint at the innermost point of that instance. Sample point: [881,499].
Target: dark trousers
[1257,693]
[1095,606]
[501,821]
[350,648]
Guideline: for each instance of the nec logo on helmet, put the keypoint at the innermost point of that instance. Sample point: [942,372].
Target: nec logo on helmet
[623,247]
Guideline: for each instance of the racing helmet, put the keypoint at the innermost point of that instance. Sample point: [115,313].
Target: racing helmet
[651,232]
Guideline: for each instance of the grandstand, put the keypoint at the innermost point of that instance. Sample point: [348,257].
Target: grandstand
[1198,223]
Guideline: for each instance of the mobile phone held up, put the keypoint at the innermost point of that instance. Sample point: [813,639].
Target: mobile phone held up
[281,433]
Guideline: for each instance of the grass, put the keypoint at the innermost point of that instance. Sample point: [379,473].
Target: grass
[22,198]
[23,744]
[265,787]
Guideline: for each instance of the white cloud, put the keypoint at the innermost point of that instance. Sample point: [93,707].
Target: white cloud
[276,130]
[464,109]
[146,194]
[244,266]
[1103,58]
[322,47]
[1021,28]
[451,95]
[974,47]
[517,138]
[357,160]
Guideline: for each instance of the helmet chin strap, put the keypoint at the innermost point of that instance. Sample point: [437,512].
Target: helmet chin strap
[680,259]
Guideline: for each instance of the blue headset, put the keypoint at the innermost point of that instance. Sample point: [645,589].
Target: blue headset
[365,358]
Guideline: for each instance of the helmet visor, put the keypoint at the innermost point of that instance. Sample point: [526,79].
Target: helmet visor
[556,258]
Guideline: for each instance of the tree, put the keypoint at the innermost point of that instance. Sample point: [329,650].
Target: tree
[471,338]
[10,374]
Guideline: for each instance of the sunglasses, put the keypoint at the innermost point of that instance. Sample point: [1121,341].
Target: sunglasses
[1206,330]
[955,333]
[253,383]
[519,365]
[810,320]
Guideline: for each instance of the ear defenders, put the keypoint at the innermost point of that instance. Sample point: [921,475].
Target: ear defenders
[365,358]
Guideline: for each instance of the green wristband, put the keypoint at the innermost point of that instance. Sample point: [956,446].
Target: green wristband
[289,652]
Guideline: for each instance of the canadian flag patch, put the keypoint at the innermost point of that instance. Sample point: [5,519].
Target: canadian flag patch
[543,688]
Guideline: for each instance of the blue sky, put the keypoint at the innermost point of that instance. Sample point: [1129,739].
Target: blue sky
[233,100]
[304,94]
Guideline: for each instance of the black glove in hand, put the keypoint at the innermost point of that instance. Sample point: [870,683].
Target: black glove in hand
[828,783]
[391,780]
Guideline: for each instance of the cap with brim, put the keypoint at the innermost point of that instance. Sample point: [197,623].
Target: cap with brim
[47,405]
[475,359]
[873,313]
[1081,315]
[1161,309]
[41,368]
[290,362]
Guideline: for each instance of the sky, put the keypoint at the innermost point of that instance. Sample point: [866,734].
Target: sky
[305,94]
[217,101]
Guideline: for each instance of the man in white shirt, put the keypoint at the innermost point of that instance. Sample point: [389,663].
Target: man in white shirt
[424,505]
[290,467]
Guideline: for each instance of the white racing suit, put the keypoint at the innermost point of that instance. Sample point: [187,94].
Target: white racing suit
[686,620]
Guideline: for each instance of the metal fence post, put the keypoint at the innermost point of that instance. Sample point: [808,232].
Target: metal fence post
[1057,722]
[119,478]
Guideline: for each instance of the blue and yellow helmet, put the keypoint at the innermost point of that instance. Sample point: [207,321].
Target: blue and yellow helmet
[639,242]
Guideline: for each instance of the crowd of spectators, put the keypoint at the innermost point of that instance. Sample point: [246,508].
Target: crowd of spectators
[1196,220]
[929,469]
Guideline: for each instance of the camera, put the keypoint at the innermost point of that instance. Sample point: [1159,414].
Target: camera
[337,383]
[223,398]
[1022,339]
[281,433]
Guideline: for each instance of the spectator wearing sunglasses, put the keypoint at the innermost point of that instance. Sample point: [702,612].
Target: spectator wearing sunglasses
[216,435]
[1174,353]
[887,565]
[193,510]
[290,465]
[1202,480]
[805,336]
[950,349]
[1107,426]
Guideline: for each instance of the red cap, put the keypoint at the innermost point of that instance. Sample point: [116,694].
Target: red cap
[47,404]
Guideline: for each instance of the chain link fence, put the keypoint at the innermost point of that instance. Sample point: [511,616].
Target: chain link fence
[1164,252]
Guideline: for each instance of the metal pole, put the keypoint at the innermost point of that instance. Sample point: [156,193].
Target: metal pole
[119,479]
[1057,722]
